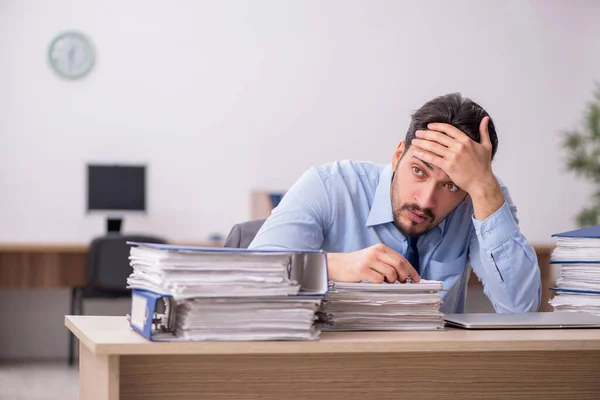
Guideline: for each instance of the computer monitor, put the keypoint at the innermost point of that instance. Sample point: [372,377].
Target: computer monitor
[116,190]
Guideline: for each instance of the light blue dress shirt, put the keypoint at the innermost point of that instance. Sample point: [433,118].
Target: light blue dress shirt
[345,206]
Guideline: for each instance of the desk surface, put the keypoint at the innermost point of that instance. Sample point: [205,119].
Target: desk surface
[112,335]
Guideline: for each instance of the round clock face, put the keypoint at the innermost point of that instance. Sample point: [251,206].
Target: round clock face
[71,55]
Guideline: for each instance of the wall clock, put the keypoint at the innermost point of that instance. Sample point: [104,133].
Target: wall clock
[71,55]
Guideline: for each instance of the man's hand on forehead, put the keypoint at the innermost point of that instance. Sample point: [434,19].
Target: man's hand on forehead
[465,161]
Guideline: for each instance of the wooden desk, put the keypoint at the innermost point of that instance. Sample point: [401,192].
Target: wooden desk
[117,363]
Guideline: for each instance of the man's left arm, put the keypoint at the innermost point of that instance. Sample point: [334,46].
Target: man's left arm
[502,258]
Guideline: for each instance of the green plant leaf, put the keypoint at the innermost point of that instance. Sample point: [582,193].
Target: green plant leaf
[582,163]
[595,174]
[587,217]
[593,121]
[573,140]
[583,156]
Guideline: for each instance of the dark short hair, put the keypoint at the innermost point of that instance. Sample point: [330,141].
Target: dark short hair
[460,112]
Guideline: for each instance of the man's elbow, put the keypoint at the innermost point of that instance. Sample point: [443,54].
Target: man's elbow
[528,301]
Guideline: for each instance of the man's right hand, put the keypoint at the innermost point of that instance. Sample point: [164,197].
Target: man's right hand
[376,264]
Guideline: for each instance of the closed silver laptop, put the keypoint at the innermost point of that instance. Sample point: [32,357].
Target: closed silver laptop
[534,320]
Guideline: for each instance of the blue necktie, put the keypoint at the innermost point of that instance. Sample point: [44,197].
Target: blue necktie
[412,253]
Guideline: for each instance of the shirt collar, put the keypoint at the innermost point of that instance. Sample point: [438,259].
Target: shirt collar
[381,209]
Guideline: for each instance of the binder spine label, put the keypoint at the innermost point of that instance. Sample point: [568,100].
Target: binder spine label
[139,311]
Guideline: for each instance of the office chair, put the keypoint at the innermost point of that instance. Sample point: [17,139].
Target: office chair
[107,270]
[241,235]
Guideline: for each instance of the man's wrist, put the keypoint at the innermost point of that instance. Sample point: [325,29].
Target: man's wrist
[332,266]
[487,197]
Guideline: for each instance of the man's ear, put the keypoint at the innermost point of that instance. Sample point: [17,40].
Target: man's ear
[398,154]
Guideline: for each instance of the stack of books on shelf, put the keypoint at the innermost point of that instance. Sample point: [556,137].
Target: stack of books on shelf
[195,293]
[382,307]
[578,285]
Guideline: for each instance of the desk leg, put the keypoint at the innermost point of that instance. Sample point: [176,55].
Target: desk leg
[98,375]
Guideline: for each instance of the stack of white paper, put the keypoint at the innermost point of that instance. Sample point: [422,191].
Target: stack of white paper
[569,249]
[579,276]
[578,286]
[226,294]
[185,275]
[267,318]
[370,306]
[576,301]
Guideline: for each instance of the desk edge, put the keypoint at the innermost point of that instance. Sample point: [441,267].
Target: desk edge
[81,336]
[324,347]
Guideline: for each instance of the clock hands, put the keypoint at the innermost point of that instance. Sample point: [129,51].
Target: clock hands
[71,57]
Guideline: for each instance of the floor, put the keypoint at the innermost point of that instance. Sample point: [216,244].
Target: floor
[44,380]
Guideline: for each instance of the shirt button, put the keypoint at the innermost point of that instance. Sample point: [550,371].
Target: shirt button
[487,234]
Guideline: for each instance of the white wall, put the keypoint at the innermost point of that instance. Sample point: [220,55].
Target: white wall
[224,96]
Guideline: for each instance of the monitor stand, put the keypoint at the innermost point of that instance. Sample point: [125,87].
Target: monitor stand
[113,225]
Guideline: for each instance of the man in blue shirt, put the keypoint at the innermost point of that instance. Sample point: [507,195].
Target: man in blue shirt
[434,211]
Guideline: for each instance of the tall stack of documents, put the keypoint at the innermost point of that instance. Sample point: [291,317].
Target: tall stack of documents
[382,307]
[194,293]
[578,286]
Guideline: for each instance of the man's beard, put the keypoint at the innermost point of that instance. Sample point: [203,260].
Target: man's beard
[414,228]
[411,230]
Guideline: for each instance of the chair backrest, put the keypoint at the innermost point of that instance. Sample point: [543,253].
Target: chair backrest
[108,260]
[241,235]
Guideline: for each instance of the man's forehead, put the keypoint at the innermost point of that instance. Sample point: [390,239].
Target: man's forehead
[438,171]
